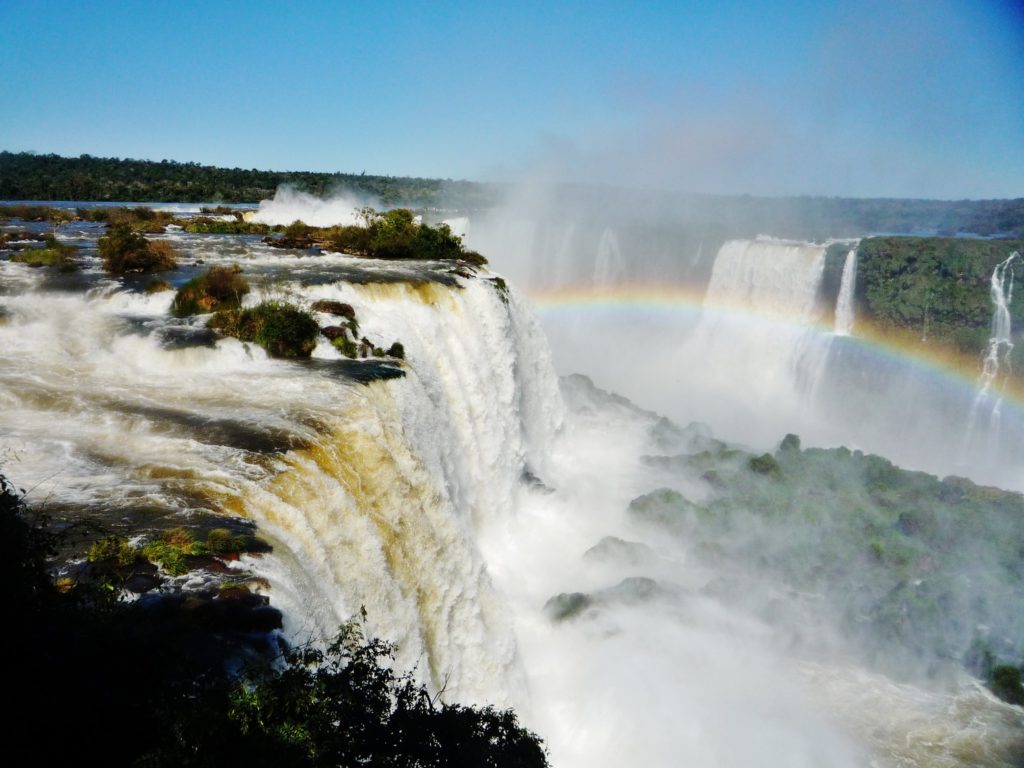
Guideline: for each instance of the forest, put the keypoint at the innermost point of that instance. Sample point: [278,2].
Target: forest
[31,176]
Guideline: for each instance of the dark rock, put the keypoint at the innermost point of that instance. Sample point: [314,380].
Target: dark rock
[333,332]
[334,308]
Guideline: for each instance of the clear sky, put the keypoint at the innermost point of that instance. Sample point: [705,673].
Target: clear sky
[865,98]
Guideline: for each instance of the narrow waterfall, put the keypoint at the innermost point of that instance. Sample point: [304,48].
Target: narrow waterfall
[996,363]
[844,304]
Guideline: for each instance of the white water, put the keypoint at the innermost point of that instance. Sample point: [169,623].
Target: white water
[988,404]
[290,205]
[844,304]
[409,497]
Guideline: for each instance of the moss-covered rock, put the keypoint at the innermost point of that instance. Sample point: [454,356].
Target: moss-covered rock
[282,329]
[219,288]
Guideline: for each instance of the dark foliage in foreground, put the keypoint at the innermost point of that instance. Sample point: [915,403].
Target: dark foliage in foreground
[93,680]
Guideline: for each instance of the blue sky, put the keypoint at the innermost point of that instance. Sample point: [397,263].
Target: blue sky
[863,98]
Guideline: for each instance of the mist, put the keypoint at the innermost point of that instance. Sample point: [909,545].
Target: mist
[289,205]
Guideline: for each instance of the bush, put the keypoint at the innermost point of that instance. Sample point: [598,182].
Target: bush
[158,286]
[397,350]
[345,706]
[35,213]
[282,329]
[124,251]
[112,551]
[54,254]
[764,464]
[171,550]
[204,225]
[137,219]
[221,541]
[1006,684]
[217,289]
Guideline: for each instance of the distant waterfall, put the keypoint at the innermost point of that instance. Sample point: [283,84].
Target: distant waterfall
[777,284]
[608,265]
[757,344]
[844,304]
[996,364]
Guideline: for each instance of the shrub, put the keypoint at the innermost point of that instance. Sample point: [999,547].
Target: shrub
[204,225]
[157,286]
[346,346]
[123,251]
[112,551]
[282,329]
[397,350]
[172,548]
[764,464]
[218,288]
[54,254]
[35,213]
[1006,684]
[221,541]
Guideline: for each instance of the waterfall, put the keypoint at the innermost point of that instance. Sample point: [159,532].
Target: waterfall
[996,363]
[758,325]
[609,267]
[844,304]
[373,495]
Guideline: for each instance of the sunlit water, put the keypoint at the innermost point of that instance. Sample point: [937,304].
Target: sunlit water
[452,503]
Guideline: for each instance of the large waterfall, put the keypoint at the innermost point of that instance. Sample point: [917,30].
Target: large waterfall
[375,493]
[483,512]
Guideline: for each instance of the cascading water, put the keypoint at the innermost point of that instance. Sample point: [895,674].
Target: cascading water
[988,403]
[756,343]
[376,492]
[454,502]
[844,304]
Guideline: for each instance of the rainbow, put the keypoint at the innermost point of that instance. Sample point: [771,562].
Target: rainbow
[945,367]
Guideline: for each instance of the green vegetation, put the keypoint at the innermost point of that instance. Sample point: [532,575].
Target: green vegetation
[197,680]
[220,541]
[158,286]
[764,464]
[136,218]
[28,176]
[54,254]
[114,551]
[282,329]
[203,225]
[172,549]
[883,551]
[935,289]
[1006,684]
[124,251]
[390,234]
[219,288]
[35,213]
